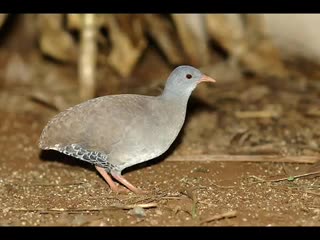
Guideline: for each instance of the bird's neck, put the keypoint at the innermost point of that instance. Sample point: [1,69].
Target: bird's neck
[181,97]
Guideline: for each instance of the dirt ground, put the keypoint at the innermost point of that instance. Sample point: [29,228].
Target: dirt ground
[249,117]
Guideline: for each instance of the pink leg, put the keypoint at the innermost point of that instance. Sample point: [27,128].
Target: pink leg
[125,182]
[106,177]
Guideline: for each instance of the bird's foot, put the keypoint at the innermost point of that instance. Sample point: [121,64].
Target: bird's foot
[109,180]
[122,180]
[127,184]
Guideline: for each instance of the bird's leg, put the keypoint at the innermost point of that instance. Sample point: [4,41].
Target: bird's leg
[125,182]
[109,180]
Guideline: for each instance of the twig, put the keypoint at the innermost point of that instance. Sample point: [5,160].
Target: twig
[76,210]
[229,214]
[289,178]
[172,198]
[294,177]
[244,158]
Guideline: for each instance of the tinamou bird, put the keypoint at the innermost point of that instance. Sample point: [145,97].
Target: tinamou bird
[118,131]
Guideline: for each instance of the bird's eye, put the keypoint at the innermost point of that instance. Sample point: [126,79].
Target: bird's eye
[189,76]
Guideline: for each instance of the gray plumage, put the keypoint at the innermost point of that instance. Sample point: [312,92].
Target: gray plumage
[118,131]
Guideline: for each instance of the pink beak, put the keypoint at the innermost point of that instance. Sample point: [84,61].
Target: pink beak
[206,78]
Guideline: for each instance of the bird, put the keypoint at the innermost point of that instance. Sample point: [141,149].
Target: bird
[114,132]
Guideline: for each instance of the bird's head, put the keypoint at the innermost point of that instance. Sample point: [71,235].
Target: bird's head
[184,79]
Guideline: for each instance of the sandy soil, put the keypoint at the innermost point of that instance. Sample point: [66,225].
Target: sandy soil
[53,189]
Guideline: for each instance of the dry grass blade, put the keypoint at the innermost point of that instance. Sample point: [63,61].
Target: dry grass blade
[269,148]
[222,187]
[257,114]
[47,185]
[244,158]
[142,205]
[216,217]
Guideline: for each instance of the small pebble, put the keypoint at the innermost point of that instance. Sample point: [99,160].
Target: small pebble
[138,212]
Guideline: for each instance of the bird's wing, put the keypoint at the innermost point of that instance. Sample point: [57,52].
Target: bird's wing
[96,124]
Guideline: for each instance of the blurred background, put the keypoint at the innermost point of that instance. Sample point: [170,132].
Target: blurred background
[266,66]
[266,102]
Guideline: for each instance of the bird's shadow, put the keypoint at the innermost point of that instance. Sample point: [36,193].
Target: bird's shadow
[195,105]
